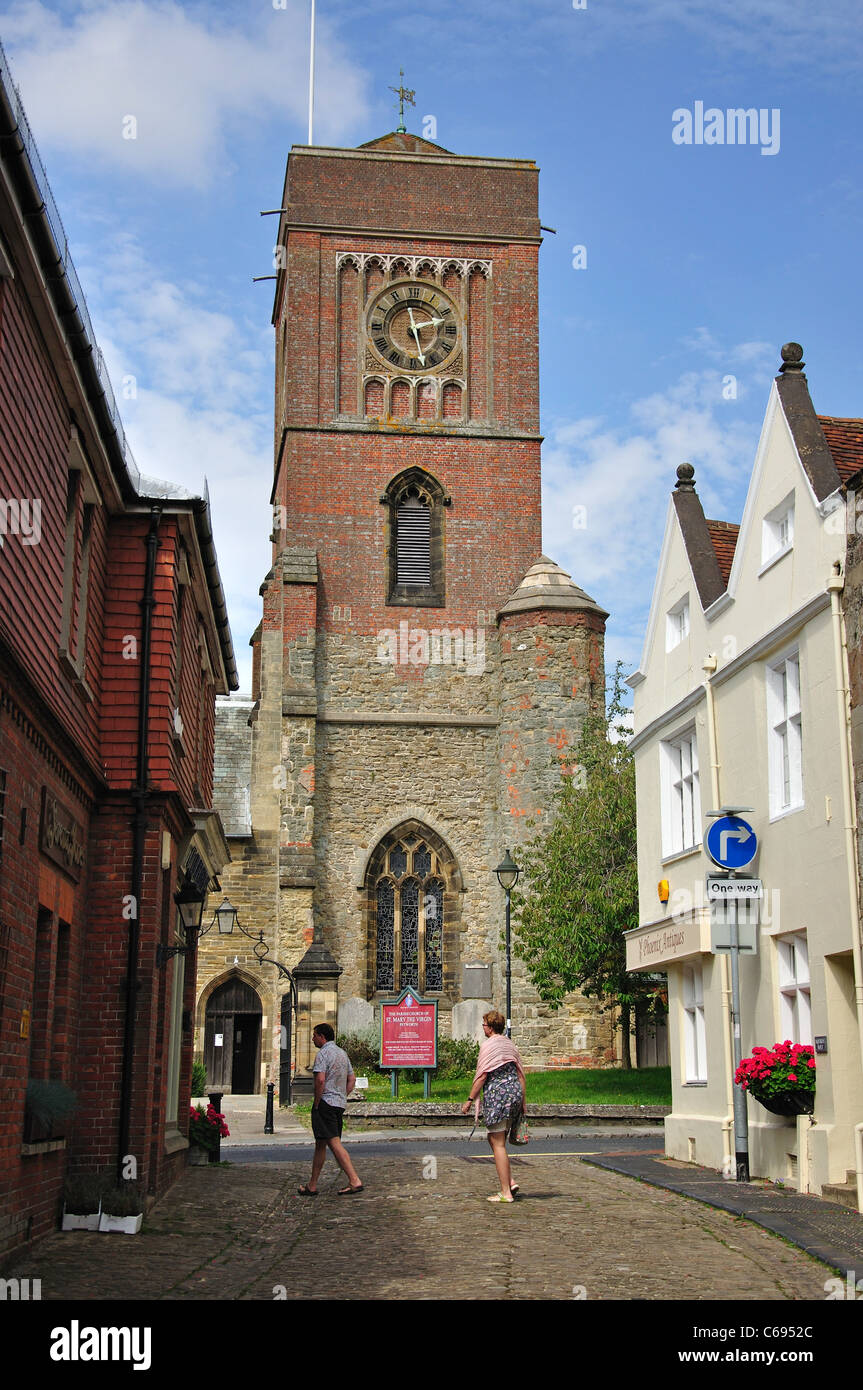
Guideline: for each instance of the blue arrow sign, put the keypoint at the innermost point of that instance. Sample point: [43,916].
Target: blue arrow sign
[731,842]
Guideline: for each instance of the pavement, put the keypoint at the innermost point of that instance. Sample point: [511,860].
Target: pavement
[581,1227]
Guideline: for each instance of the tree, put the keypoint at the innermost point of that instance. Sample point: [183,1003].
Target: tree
[578,892]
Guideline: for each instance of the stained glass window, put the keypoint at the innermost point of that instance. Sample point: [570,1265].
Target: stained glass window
[384,974]
[409,945]
[433,903]
[410,934]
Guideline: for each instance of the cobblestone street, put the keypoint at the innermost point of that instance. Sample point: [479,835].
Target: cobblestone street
[241,1232]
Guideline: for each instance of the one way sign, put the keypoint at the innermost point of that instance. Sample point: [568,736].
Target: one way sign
[731,842]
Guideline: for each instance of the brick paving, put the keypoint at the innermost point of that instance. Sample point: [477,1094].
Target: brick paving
[241,1232]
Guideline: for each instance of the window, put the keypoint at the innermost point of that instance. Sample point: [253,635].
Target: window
[408,916]
[681,797]
[694,1038]
[784,735]
[415,504]
[677,624]
[81,499]
[777,532]
[795,1012]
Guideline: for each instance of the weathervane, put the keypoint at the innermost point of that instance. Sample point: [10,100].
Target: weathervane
[403,95]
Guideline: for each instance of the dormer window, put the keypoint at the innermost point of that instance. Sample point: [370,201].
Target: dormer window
[677,624]
[777,535]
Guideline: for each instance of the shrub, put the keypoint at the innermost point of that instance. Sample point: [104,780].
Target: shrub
[82,1192]
[199,1079]
[127,1200]
[455,1056]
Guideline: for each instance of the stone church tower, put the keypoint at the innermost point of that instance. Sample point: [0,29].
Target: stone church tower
[420,665]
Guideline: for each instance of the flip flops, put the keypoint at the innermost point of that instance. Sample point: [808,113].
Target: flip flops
[306,1191]
[499,1197]
[350,1191]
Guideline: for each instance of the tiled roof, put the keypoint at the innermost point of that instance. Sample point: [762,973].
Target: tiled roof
[723,537]
[845,438]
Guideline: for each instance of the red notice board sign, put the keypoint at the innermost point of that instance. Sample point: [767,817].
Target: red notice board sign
[408,1031]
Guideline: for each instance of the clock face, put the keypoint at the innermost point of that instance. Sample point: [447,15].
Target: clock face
[413,326]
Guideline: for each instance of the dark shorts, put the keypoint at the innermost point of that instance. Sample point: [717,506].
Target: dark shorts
[327,1121]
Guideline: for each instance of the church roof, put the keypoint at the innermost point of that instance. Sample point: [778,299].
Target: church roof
[845,440]
[401,142]
[546,585]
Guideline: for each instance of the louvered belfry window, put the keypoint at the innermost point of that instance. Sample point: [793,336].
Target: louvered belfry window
[413,541]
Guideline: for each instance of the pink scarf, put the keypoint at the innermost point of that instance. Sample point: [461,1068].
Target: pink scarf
[495,1052]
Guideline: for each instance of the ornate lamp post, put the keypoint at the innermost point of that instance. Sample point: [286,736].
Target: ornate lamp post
[507,873]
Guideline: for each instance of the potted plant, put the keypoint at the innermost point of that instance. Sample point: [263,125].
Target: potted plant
[782,1079]
[82,1202]
[206,1128]
[122,1209]
[47,1108]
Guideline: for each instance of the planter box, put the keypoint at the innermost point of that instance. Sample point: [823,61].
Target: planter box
[72,1222]
[129,1225]
[198,1156]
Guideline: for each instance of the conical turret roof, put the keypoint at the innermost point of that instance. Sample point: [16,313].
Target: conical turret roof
[546,585]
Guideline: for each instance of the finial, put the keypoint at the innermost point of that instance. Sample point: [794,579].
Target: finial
[685,476]
[792,358]
[403,95]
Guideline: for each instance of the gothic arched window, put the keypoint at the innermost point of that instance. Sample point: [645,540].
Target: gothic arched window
[407,887]
[415,504]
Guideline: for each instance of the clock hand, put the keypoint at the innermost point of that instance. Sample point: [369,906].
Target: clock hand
[414,329]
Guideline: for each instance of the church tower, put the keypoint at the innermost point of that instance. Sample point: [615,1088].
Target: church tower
[420,665]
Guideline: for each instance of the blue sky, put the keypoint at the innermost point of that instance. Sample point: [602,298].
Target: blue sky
[701,260]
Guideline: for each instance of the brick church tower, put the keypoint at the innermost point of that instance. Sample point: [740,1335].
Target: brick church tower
[420,664]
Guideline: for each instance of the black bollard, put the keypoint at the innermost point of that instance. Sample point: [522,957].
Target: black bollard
[215,1098]
[269,1127]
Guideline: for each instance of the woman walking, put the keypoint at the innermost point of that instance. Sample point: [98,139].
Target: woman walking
[500,1078]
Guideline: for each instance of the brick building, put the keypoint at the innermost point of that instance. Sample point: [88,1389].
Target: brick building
[113,645]
[420,664]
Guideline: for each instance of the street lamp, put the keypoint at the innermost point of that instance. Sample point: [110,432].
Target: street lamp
[507,873]
[190,905]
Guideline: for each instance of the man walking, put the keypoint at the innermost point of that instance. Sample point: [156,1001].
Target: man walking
[334,1081]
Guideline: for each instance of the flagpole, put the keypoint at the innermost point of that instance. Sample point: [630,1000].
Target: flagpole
[312,77]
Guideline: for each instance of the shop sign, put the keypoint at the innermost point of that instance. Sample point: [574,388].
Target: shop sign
[61,836]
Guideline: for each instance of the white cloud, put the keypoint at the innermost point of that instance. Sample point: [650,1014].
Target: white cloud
[188,77]
[622,478]
[202,407]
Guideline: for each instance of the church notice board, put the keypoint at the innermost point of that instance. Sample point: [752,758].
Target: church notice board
[408,1031]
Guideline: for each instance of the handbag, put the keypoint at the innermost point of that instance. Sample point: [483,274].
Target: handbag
[519,1134]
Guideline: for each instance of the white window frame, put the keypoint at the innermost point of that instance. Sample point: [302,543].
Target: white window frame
[777,532]
[784,734]
[694,1031]
[677,624]
[795,1004]
[680,793]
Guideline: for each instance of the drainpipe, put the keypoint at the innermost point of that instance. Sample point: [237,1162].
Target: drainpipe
[709,666]
[835,586]
[139,831]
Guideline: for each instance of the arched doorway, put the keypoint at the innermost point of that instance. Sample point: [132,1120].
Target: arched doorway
[232,1039]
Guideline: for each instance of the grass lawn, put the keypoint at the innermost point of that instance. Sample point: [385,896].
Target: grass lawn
[648,1086]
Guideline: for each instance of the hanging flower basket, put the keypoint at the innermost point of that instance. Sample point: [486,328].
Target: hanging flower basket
[782,1079]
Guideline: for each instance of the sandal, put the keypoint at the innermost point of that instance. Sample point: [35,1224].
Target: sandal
[514,1187]
[499,1197]
[306,1191]
[349,1191]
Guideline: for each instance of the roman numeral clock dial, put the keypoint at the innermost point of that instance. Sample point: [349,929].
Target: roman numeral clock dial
[413,327]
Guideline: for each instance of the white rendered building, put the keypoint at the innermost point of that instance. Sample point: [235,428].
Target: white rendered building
[741,700]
